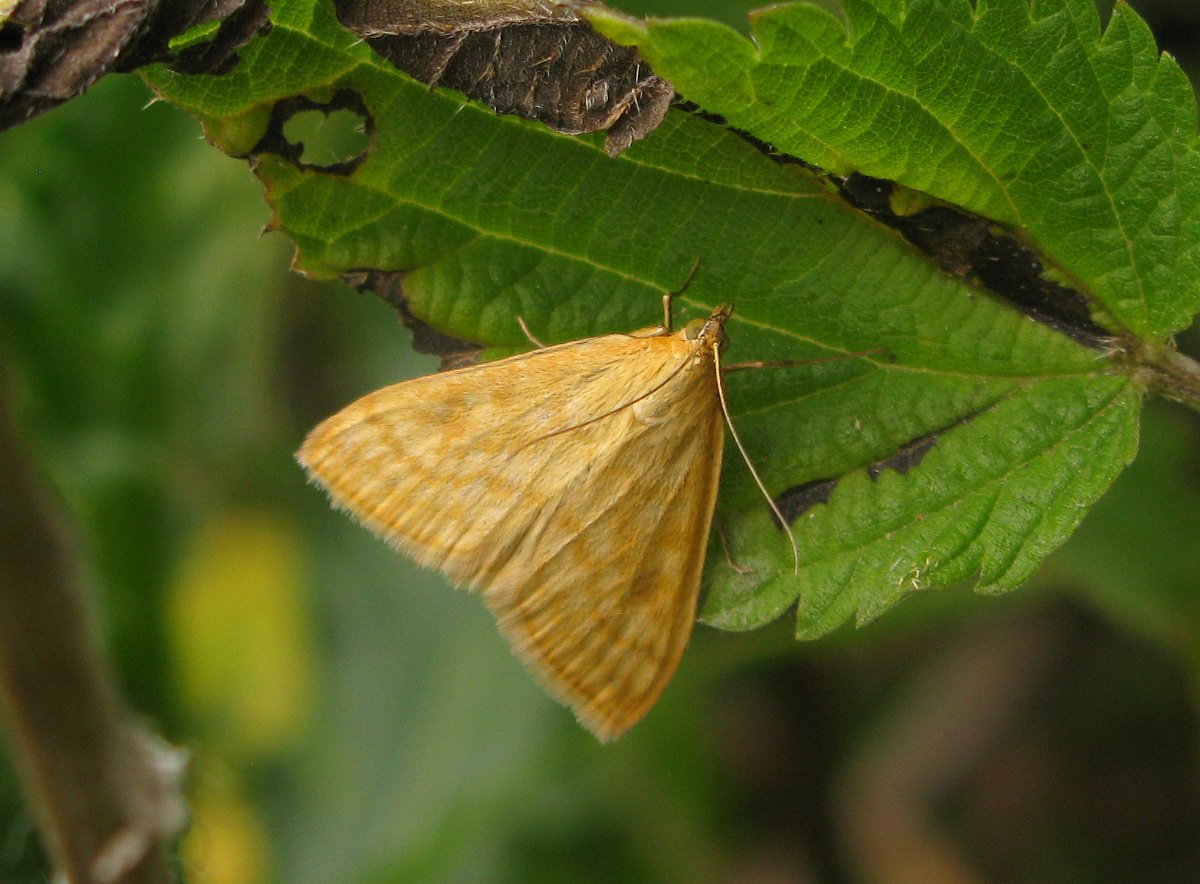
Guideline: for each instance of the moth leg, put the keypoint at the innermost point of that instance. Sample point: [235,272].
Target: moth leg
[759,363]
[791,363]
[669,296]
[740,569]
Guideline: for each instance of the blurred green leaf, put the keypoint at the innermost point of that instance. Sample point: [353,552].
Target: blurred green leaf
[428,721]
[1134,553]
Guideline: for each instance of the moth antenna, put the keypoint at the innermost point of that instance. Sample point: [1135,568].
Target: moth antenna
[737,440]
[529,334]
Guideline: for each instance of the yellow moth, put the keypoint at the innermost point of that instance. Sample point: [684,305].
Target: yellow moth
[572,487]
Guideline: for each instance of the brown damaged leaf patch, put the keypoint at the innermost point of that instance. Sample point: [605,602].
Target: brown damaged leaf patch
[537,60]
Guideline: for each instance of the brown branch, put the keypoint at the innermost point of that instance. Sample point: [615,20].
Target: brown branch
[50,52]
[105,791]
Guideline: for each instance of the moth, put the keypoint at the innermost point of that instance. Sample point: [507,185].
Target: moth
[572,487]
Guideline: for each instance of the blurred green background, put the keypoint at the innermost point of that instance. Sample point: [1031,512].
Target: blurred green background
[351,719]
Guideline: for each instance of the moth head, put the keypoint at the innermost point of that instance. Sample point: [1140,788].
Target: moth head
[709,331]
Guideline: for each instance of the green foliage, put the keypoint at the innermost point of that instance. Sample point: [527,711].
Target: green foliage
[1025,113]
[1082,144]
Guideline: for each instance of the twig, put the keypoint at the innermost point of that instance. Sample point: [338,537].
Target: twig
[104,790]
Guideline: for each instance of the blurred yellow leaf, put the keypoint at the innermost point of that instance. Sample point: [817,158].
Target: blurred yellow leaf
[241,634]
[228,843]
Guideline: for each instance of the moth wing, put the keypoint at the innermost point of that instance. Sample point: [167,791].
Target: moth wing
[603,614]
[585,536]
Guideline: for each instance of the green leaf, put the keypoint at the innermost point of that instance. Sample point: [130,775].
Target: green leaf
[1025,113]
[971,439]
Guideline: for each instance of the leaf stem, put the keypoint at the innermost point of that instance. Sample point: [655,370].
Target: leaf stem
[1172,374]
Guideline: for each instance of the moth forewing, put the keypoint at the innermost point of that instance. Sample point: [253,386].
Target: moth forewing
[573,487]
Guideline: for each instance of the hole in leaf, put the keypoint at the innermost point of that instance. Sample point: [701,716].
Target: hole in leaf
[329,136]
[327,139]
